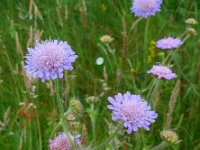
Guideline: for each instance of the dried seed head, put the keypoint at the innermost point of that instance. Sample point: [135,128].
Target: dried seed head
[70,117]
[106,39]
[191,31]
[92,99]
[170,136]
[190,21]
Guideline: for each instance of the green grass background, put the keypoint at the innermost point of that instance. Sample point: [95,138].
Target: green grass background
[82,23]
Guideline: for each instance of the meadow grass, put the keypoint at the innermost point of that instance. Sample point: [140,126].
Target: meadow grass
[133,52]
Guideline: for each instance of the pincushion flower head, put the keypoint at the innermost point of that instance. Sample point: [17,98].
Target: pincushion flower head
[48,59]
[169,43]
[162,72]
[132,110]
[145,8]
[61,142]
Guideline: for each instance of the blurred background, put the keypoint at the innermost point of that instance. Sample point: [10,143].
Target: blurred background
[28,109]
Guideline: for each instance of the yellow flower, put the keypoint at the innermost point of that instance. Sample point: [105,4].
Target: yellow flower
[190,21]
[151,50]
[106,39]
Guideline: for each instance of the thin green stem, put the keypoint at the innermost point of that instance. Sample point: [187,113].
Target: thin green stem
[135,23]
[62,117]
[93,121]
[93,128]
[112,51]
[145,44]
[160,146]
[173,52]
[30,135]
[188,36]
[153,83]
[110,138]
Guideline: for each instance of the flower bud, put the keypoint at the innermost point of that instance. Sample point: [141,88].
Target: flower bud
[70,117]
[192,31]
[92,99]
[106,39]
[170,136]
[190,21]
[76,106]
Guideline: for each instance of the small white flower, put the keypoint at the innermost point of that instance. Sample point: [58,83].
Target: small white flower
[21,104]
[99,61]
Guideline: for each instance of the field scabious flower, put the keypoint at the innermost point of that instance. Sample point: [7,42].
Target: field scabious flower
[48,59]
[61,142]
[169,43]
[132,110]
[162,72]
[145,8]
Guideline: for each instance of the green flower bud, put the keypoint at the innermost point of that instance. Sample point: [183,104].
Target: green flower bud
[92,99]
[192,31]
[76,106]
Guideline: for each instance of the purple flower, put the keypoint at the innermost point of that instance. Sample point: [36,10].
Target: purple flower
[48,59]
[145,8]
[162,72]
[132,110]
[61,142]
[169,43]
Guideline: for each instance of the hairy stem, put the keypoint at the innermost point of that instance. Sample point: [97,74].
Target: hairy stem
[110,138]
[160,146]
[145,44]
[62,117]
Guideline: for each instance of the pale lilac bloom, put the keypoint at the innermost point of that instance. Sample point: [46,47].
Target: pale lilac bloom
[132,110]
[169,43]
[145,8]
[162,72]
[48,59]
[61,142]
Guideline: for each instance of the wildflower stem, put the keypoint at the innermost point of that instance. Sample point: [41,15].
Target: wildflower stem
[171,53]
[186,38]
[110,138]
[93,121]
[145,44]
[62,117]
[93,128]
[160,146]
[172,104]
[153,83]
[135,23]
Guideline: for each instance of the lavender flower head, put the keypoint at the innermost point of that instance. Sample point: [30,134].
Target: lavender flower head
[145,8]
[169,43]
[162,72]
[48,59]
[132,110]
[61,142]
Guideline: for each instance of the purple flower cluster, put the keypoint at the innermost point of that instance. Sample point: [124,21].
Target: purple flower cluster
[48,59]
[169,43]
[162,72]
[61,142]
[145,8]
[132,110]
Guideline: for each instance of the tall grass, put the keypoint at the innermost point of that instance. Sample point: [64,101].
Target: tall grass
[82,22]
